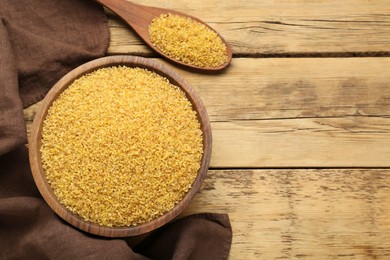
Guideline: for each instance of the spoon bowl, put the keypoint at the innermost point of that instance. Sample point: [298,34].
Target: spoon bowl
[139,17]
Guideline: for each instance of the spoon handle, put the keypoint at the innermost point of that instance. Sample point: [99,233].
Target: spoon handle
[137,16]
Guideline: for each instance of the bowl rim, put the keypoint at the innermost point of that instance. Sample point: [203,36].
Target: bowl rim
[35,145]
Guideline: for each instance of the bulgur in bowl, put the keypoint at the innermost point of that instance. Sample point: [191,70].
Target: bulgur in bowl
[120,146]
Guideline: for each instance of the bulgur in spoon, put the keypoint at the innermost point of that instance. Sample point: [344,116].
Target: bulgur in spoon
[181,38]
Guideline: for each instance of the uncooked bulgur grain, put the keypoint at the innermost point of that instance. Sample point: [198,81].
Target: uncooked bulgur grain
[187,40]
[121,146]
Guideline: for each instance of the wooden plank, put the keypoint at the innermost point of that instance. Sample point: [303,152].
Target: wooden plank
[310,112]
[280,88]
[296,88]
[291,214]
[269,28]
[320,142]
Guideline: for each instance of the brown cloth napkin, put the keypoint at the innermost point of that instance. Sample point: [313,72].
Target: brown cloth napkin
[40,41]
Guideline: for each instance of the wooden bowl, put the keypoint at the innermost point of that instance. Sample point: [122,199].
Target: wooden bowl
[35,145]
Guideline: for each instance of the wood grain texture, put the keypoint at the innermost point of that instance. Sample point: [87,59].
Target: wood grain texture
[281,88]
[322,142]
[281,28]
[302,214]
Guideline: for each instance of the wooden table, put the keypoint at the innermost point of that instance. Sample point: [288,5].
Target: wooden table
[300,121]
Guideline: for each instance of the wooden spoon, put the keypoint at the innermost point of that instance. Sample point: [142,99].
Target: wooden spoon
[139,17]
